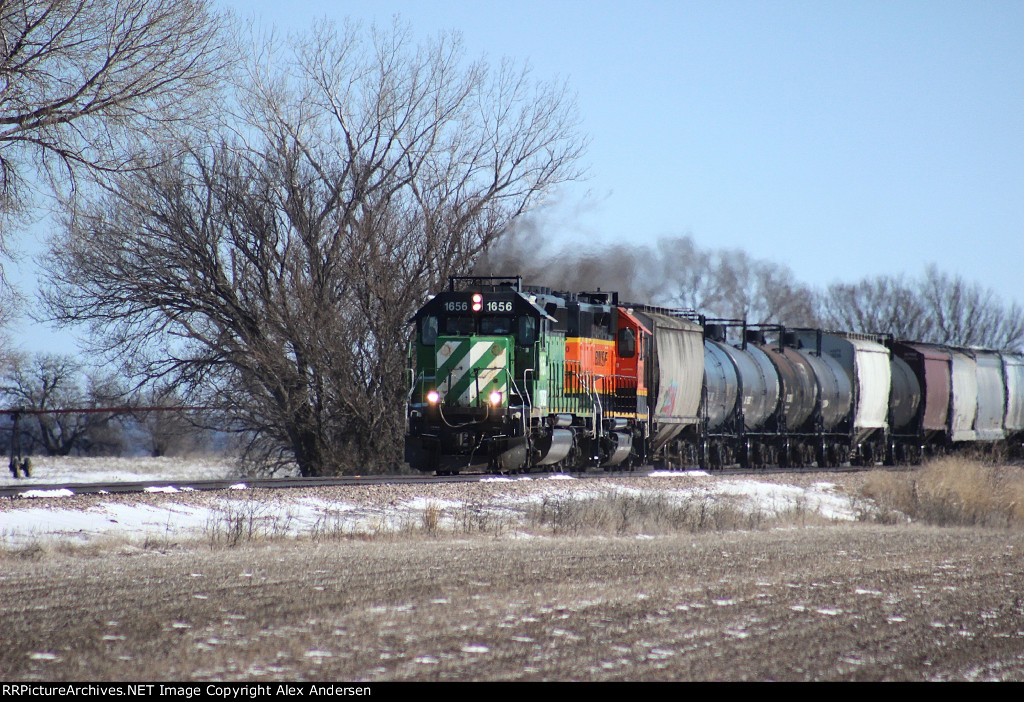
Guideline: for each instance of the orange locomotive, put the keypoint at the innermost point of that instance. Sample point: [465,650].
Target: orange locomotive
[605,350]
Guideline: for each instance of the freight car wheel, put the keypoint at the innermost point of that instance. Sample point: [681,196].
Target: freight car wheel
[806,454]
[793,456]
[784,452]
[834,459]
[891,457]
[717,456]
[745,454]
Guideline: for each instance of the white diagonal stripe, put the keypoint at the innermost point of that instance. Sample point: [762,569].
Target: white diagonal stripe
[485,376]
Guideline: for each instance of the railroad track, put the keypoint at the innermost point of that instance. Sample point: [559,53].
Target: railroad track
[183,485]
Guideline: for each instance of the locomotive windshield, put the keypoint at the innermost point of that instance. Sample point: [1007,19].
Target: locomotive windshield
[524,327]
[431,326]
[458,325]
[496,326]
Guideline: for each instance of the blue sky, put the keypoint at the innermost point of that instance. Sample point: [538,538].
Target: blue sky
[842,139]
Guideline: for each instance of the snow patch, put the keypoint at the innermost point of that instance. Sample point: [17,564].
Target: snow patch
[63,492]
[677,473]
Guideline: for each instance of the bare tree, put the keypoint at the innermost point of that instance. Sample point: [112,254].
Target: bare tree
[83,81]
[164,426]
[272,273]
[52,382]
[881,304]
[690,279]
[759,291]
[968,313]
[674,272]
[88,85]
[937,307]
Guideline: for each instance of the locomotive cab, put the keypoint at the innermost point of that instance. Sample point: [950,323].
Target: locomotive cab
[480,355]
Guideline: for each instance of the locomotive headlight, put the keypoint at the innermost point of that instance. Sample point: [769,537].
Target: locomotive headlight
[495,397]
[433,396]
[478,302]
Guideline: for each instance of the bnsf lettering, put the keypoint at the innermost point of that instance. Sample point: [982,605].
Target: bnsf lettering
[600,357]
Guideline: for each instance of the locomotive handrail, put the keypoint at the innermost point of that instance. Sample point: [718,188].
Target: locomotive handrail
[527,408]
[620,383]
[575,385]
[526,386]
[479,280]
[599,412]
[412,386]
[681,312]
[421,379]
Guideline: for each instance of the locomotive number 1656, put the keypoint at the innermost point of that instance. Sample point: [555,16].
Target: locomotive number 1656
[498,306]
[489,306]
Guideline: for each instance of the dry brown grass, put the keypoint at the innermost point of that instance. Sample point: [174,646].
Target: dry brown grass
[951,492]
[623,513]
[242,521]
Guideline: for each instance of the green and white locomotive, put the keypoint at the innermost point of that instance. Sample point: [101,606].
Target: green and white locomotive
[496,386]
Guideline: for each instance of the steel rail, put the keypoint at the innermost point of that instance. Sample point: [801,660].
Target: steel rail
[186,485]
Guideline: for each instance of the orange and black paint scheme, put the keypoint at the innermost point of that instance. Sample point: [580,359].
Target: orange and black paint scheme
[632,342]
[604,352]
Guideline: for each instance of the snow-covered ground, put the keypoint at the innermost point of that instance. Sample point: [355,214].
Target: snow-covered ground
[47,469]
[500,503]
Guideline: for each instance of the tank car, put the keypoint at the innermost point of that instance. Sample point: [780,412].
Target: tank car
[863,436]
[508,378]
[741,395]
[815,399]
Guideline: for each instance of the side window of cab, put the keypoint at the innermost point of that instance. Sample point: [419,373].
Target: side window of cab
[428,330]
[627,343]
[526,331]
